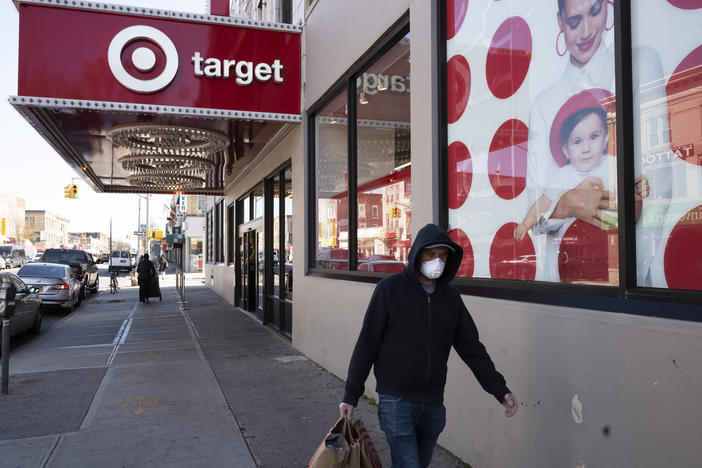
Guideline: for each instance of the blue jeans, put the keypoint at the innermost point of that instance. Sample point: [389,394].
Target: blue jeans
[411,428]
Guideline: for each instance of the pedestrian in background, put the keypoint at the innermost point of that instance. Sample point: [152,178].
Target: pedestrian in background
[413,319]
[163,266]
[145,273]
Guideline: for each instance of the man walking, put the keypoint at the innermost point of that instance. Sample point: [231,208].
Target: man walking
[413,319]
[145,273]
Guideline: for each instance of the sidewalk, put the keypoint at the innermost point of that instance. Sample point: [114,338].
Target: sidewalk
[119,383]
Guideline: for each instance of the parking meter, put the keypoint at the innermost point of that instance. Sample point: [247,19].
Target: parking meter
[7,301]
[7,310]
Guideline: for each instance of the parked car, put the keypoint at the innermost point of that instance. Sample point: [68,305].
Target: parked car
[104,257]
[55,283]
[81,262]
[120,260]
[28,306]
[381,264]
[13,254]
[37,257]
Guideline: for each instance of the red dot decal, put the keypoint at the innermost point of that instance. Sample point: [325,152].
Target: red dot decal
[686,4]
[589,98]
[684,124]
[467,264]
[510,259]
[589,254]
[455,14]
[460,174]
[457,87]
[507,161]
[682,261]
[508,57]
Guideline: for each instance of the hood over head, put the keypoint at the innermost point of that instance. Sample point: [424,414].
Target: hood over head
[430,235]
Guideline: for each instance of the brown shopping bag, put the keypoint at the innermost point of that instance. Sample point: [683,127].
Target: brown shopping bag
[369,456]
[339,449]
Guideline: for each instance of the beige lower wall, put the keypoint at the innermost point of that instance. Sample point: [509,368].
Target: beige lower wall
[638,378]
[220,278]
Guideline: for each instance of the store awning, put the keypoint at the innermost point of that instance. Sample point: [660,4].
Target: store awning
[145,100]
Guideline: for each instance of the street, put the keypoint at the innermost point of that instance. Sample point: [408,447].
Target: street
[120,383]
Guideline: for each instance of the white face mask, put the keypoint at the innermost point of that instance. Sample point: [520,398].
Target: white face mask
[432,269]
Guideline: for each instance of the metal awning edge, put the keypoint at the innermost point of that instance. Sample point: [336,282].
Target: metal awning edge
[161,13]
[112,106]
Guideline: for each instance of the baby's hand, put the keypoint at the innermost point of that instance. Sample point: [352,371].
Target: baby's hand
[642,187]
[520,231]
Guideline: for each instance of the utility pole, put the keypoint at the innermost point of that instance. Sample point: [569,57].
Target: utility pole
[138,228]
[110,256]
[148,225]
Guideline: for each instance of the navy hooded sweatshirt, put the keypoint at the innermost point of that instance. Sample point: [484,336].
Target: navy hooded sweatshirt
[407,333]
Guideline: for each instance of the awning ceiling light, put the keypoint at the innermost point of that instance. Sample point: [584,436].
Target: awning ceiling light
[167,156]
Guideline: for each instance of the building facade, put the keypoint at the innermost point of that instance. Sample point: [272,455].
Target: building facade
[12,209]
[558,142]
[49,230]
[584,345]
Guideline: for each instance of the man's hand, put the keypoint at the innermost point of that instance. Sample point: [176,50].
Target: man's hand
[585,202]
[511,404]
[346,410]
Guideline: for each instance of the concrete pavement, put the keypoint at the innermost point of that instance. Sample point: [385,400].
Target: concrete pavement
[119,383]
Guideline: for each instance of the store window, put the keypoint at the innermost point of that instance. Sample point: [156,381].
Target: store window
[383,155]
[667,76]
[331,180]
[363,191]
[530,134]
[209,240]
[219,232]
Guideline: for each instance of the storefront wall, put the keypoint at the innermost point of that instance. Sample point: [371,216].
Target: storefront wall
[595,388]
[286,146]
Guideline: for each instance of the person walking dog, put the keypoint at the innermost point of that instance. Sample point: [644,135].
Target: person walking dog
[413,319]
[145,273]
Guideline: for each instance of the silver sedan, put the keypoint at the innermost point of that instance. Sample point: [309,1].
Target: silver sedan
[56,283]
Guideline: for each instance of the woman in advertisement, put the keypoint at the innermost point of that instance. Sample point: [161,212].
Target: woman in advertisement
[583,24]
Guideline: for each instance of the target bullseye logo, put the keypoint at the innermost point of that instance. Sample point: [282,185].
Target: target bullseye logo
[142,58]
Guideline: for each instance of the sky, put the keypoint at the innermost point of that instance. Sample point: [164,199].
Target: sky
[32,170]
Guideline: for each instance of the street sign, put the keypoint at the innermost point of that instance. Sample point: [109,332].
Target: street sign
[139,233]
[143,227]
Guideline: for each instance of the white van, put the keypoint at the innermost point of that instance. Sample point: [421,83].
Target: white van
[120,260]
[14,255]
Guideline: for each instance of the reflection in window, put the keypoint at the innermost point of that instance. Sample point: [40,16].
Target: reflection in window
[383,153]
[331,177]
[288,240]
[667,75]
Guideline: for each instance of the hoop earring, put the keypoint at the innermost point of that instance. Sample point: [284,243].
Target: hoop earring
[609,2]
[558,51]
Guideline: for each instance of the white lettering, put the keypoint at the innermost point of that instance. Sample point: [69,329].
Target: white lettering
[197,60]
[262,72]
[244,77]
[370,83]
[228,64]
[213,68]
[244,71]
[277,71]
[398,84]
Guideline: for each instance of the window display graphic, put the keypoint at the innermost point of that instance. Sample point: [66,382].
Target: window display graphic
[531,113]
[669,144]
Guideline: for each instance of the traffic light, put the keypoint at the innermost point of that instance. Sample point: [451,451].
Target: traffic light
[395,212]
[70,191]
[3,226]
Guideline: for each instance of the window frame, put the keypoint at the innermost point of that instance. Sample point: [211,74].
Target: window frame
[627,296]
[346,83]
